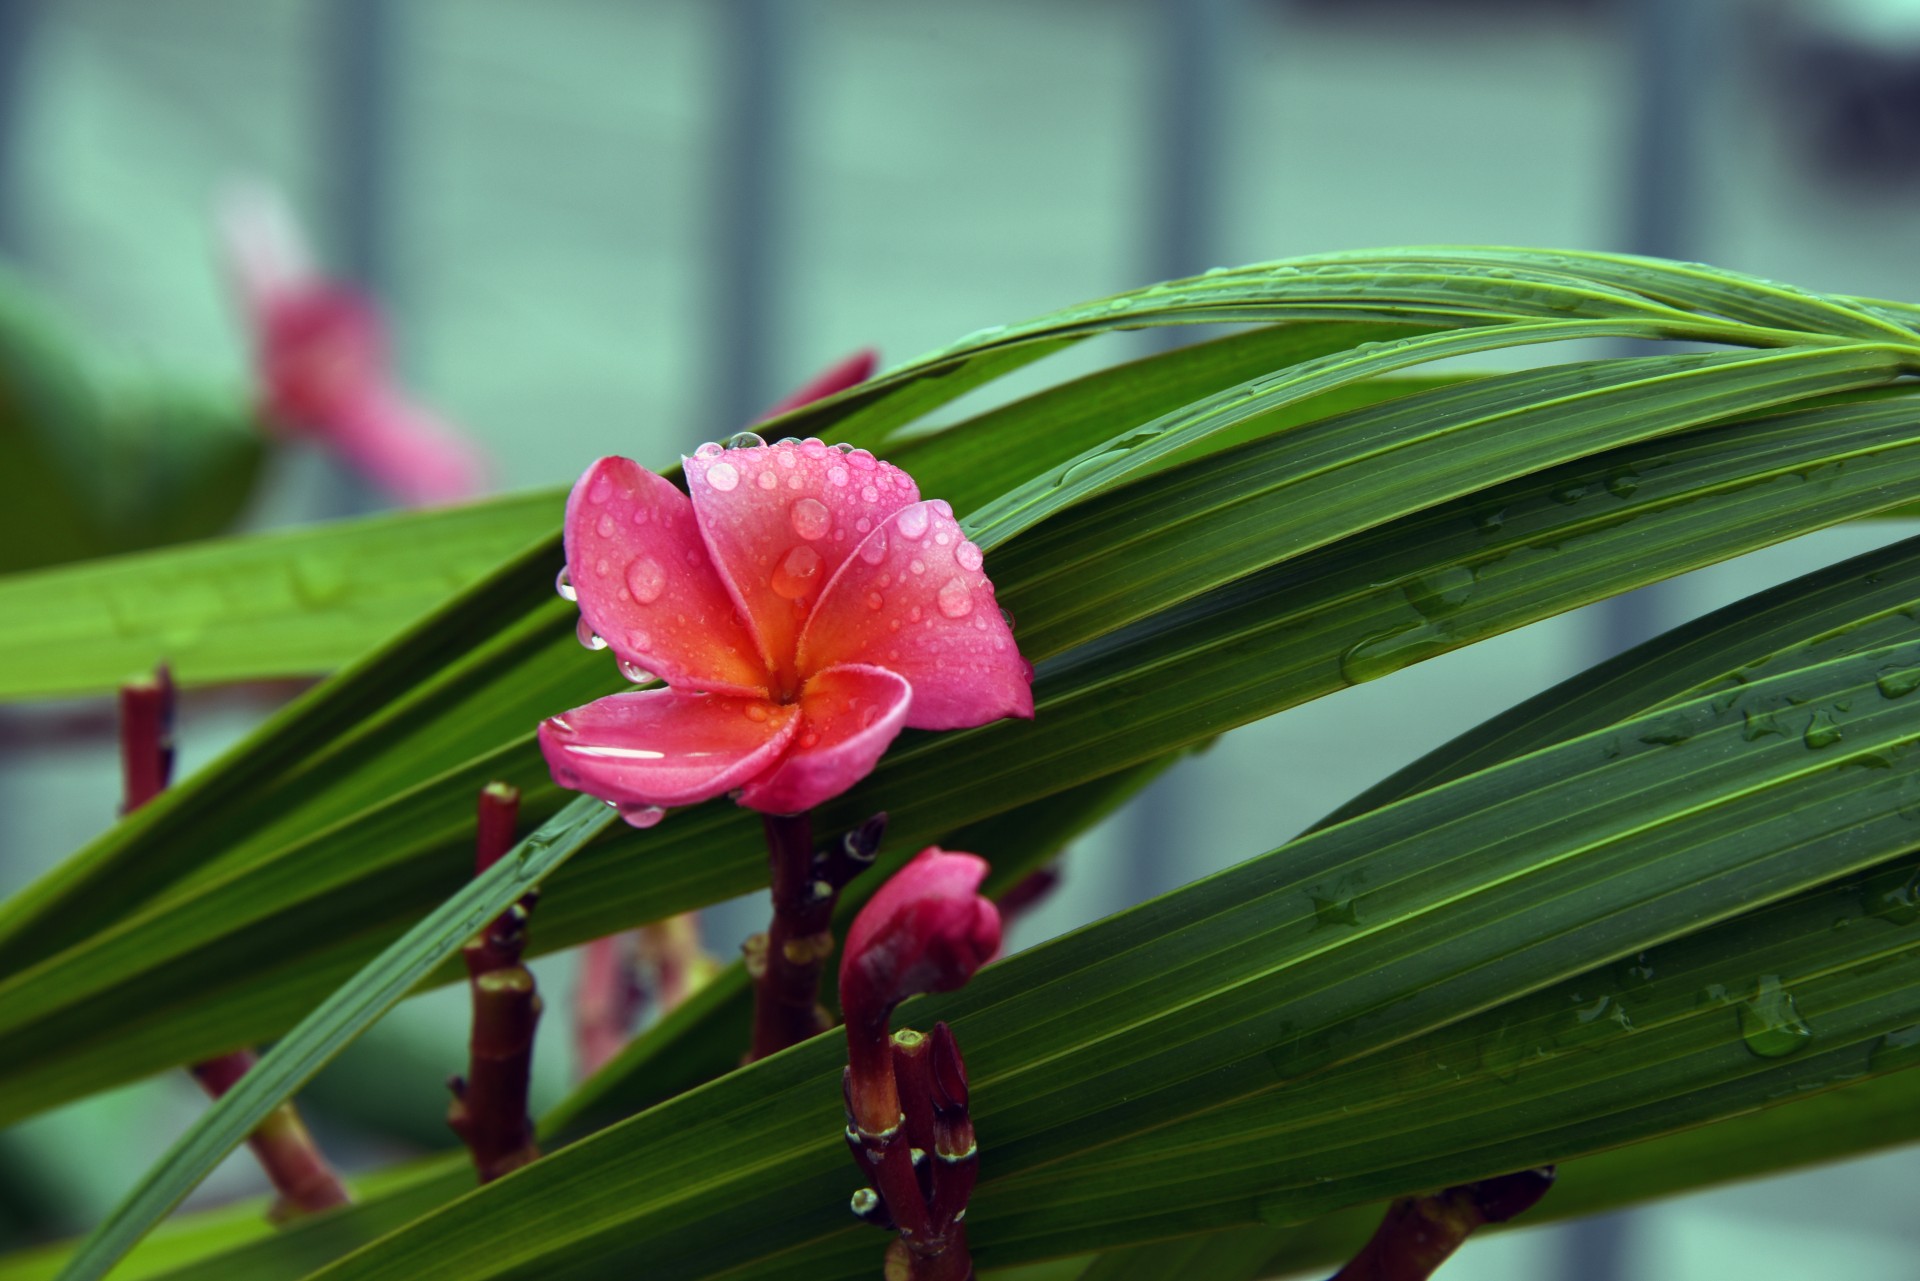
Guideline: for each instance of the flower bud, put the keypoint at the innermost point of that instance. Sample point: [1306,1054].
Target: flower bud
[926,930]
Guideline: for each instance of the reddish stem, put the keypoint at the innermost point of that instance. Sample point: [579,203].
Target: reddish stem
[281,1143]
[606,1002]
[489,1110]
[1420,1233]
[787,961]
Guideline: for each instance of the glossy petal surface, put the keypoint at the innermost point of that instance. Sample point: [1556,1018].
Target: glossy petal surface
[664,746]
[849,715]
[779,520]
[926,930]
[646,586]
[914,600]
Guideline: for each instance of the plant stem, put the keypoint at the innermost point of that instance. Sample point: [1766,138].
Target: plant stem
[489,1110]
[786,962]
[1419,1233]
[282,1143]
[606,1002]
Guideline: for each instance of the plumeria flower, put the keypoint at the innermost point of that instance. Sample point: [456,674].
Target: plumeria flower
[802,603]
[322,360]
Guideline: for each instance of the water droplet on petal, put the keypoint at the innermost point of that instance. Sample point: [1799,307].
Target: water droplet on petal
[861,459]
[563,584]
[874,550]
[1006,616]
[641,816]
[604,527]
[918,566]
[869,493]
[711,449]
[723,477]
[875,600]
[809,739]
[561,726]
[913,521]
[810,518]
[969,556]
[588,637]
[636,673]
[767,479]
[756,712]
[955,600]
[601,491]
[794,576]
[913,615]
[837,475]
[744,440]
[646,580]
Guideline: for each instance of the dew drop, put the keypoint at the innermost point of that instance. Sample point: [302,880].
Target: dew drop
[913,521]
[767,479]
[875,600]
[646,580]
[1898,682]
[917,565]
[874,550]
[869,493]
[588,637]
[809,739]
[1333,911]
[744,440]
[636,673]
[602,489]
[563,585]
[793,577]
[837,475]
[756,712]
[954,599]
[861,459]
[810,518]
[1770,1022]
[641,816]
[1441,592]
[1821,731]
[604,526]
[969,556]
[1389,651]
[723,477]
[1006,616]
[712,449]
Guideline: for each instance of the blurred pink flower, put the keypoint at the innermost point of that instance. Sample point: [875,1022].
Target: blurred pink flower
[803,606]
[323,364]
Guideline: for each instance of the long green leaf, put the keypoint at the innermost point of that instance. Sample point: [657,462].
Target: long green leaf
[1247,651]
[1190,1014]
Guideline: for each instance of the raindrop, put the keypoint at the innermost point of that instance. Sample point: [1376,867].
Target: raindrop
[913,521]
[875,600]
[969,556]
[712,449]
[874,550]
[869,493]
[1770,1022]
[1441,592]
[1333,911]
[743,440]
[1898,682]
[955,600]
[793,577]
[1821,731]
[604,527]
[602,489]
[1389,651]
[636,673]
[1759,725]
[563,584]
[810,518]
[1120,304]
[917,565]
[646,580]
[588,637]
[641,816]
[1622,481]
[1006,616]
[767,479]
[723,477]
[837,475]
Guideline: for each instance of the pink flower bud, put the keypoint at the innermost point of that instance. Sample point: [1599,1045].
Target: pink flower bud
[927,930]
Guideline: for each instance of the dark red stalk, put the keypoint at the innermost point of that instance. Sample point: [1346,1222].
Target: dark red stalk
[786,962]
[489,1110]
[282,1144]
[1419,1233]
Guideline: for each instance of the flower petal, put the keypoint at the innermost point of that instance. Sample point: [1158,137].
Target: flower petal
[848,717]
[779,520]
[637,562]
[913,600]
[665,746]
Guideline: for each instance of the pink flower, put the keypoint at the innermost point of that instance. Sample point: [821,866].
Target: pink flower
[803,606]
[926,930]
[322,361]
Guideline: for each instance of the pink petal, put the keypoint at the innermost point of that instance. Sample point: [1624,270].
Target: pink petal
[851,372]
[407,451]
[848,717]
[646,586]
[665,746]
[779,520]
[926,930]
[913,600]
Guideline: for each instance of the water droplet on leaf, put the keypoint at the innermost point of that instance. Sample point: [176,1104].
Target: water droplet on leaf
[1770,1022]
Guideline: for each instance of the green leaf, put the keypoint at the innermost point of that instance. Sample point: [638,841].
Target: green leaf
[336,1022]
[1278,639]
[289,603]
[1193,1071]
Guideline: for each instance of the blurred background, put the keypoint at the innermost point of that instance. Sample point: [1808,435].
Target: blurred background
[630,225]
